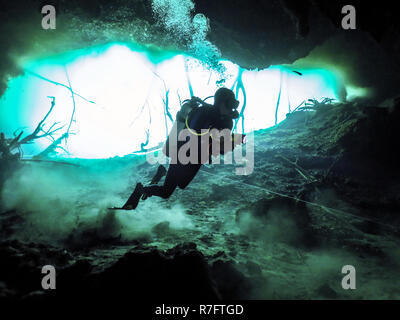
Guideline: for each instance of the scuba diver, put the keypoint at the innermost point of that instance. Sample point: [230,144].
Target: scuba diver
[195,116]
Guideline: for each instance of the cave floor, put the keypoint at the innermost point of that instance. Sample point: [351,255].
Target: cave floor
[279,247]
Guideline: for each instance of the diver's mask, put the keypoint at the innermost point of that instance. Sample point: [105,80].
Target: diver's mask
[234,104]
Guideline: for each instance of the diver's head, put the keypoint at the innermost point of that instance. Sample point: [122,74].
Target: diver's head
[225,101]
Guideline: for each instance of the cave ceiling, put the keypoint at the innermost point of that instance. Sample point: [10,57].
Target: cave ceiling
[253,34]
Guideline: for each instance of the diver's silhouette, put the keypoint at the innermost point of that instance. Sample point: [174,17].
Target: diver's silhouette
[218,116]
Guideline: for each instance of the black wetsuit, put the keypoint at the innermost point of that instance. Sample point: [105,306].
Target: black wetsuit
[180,175]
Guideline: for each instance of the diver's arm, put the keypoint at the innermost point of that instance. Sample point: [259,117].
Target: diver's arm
[236,139]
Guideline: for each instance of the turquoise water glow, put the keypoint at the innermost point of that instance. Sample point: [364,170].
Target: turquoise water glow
[128,85]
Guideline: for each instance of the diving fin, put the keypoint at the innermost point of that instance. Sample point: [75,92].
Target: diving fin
[133,200]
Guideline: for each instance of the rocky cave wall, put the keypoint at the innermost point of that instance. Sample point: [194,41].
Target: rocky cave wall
[254,34]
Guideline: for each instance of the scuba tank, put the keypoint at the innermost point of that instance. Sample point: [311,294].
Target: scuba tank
[170,148]
[171,145]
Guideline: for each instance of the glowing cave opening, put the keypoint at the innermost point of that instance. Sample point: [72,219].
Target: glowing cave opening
[121,93]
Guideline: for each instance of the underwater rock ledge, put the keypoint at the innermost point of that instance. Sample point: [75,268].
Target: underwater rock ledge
[143,273]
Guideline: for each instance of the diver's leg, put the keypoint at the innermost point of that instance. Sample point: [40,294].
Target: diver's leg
[187,174]
[133,200]
[177,175]
[164,191]
[161,172]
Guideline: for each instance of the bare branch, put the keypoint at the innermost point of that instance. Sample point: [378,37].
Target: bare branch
[166,99]
[240,86]
[52,148]
[57,84]
[34,134]
[303,172]
[16,142]
[73,101]
[50,133]
[140,112]
[52,162]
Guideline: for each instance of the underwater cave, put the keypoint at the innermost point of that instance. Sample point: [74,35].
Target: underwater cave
[87,103]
